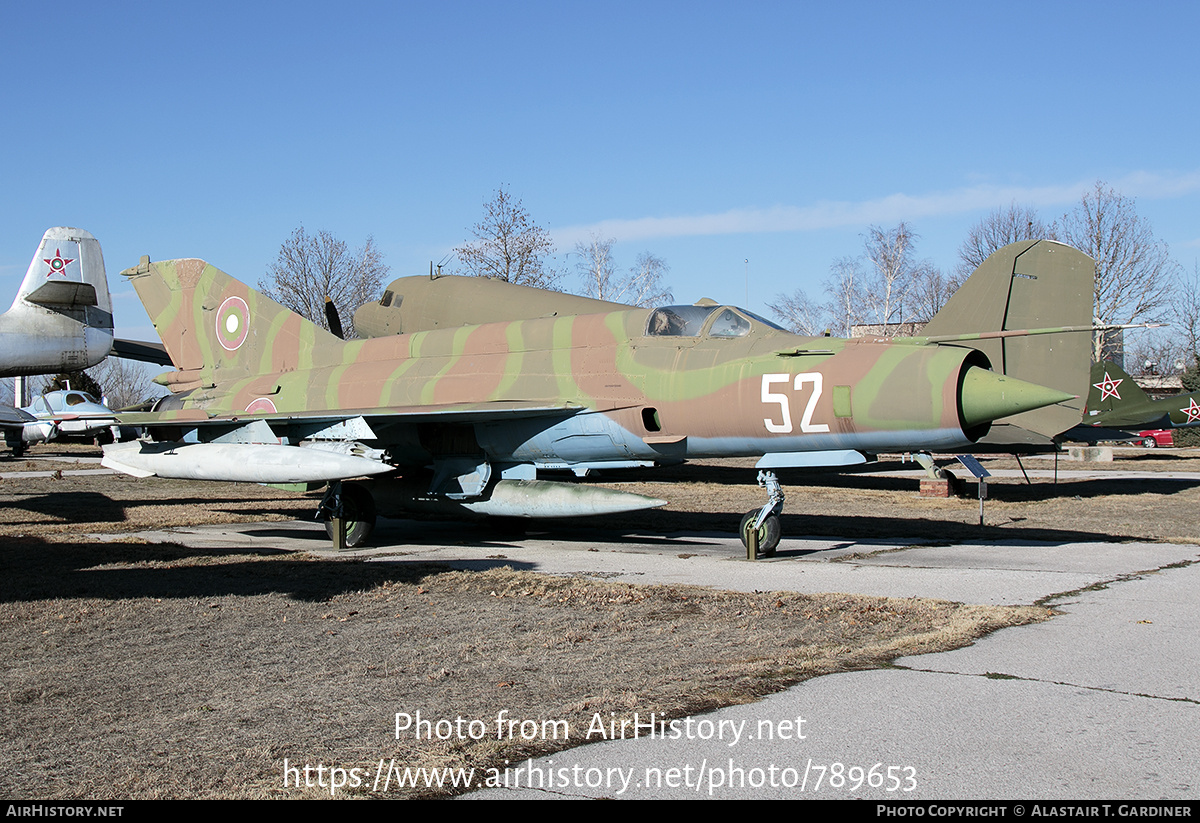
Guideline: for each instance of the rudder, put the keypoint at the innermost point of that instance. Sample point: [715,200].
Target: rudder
[1032,284]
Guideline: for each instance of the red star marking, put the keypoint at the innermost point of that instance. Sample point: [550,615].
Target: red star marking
[1192,411]
[1108,387]
[57,263]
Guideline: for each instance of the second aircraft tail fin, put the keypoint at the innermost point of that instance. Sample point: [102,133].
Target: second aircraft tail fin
[67,272]
[1112,388]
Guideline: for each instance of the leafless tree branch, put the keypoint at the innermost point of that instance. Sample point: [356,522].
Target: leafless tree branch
[311,267]
[1134,272]
[509,246]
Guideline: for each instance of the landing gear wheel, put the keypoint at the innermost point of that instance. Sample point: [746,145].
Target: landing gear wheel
[358,510]
[768,533]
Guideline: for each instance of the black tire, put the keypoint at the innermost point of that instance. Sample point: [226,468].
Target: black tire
[768,533]
[358,509]
[1149,442]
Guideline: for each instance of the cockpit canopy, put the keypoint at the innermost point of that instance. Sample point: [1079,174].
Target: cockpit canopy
[59,401]
[693,321]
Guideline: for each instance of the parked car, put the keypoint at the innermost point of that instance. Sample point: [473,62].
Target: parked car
[1156,437]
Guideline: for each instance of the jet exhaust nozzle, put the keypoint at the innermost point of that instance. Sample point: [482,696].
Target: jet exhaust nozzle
[985,396]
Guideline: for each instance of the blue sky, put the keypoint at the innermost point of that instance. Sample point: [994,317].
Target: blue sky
[706,133]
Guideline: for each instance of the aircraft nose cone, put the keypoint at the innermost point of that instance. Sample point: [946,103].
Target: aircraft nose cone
[987,396]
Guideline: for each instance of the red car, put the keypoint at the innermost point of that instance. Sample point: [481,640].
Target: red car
[1156,437]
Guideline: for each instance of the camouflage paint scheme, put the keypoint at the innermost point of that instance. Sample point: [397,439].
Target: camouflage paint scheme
[1028,285]
[412,304]
[1117,402]
[620,387]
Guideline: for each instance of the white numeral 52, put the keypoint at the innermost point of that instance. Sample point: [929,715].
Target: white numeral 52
[768,396]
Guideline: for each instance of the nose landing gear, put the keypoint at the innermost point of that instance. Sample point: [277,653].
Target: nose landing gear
[761,526]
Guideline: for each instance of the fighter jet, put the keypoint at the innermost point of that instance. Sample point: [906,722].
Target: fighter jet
[461,418]
[1117,408]
[61,319]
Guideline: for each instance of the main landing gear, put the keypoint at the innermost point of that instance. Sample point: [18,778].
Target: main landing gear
[764,523]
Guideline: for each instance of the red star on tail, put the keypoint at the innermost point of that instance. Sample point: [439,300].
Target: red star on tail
[57,263]
[1108,387]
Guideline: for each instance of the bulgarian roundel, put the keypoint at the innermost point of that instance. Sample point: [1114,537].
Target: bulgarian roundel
[262,405]
[233,323]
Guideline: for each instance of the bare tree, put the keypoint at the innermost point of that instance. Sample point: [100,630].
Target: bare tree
[1134,271]
[1171,350]
[997,230]
[125,383]
[1154,351]
[1186,312]
[646,287]
[930,291]
[509,246]
[310,268]
[845,289]
[596,267]
[890,255]
[799,314]
[640,286]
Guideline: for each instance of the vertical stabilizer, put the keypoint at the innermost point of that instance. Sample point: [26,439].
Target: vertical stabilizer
[215,327]
[61,319]
[67,272]
[1033,284]
[1113,389]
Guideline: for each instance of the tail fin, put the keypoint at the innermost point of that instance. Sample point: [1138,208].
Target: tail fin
[217,328]
[1112,389]
[67,272]
[61,318]
[1033,284]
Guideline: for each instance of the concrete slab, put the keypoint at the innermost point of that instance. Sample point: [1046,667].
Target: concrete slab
[1102,702]
[1009,573]
[924,735]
